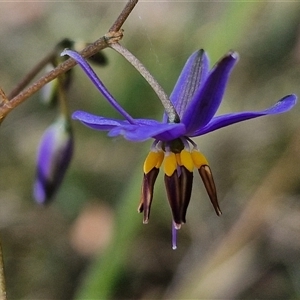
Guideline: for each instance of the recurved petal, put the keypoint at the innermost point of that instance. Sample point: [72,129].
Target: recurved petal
[283,105]
[97,82]
[192,77]
[207,100]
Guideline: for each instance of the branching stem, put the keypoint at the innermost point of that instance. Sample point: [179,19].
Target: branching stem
[18,95]
[31,74]
[123,16]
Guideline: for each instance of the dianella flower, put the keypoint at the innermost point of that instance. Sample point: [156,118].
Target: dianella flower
[54,156]
[196,98]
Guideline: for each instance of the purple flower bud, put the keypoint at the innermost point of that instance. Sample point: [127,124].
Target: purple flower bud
[55,152]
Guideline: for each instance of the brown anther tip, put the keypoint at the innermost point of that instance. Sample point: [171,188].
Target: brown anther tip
[140,208]
[210,187]
[216,207]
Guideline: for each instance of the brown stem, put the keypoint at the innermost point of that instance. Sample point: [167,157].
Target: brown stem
[90,50]
[35,70]
[164,98]
[123,15]
[2,277]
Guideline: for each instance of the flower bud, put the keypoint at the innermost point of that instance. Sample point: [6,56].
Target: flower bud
[55,152]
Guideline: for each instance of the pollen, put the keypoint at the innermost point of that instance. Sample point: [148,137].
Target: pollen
[198,159]
[170,164]
[153,160]
[186,160]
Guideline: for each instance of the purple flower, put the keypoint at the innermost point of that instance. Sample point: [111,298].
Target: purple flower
[196,97]
[55,153]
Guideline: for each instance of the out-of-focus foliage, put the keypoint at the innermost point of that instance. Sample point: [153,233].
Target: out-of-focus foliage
[90,243]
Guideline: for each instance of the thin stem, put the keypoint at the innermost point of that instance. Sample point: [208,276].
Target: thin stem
[31,74]
[62,68]
[2,277]
[22,96]
[164,98]
[64,111]
[90,50]
[123,16]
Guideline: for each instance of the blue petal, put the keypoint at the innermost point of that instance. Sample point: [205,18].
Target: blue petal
[97,122]
[191,79]
[207,100]
[283,105]
[156,130]
[97,82]
[142,130]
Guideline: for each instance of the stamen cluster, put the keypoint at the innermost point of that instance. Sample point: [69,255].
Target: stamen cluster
[179,160]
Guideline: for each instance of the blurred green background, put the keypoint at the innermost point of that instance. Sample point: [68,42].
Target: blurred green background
[90,242]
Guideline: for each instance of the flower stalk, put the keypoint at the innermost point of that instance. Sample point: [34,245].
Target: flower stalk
[164,98]
[2,277]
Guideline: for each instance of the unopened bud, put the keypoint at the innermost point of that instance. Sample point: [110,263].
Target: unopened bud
[55,153]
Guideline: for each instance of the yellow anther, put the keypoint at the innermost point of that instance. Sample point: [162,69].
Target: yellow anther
[170,164]
[198,159]
[153,160]
[186,160]
[178,159]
